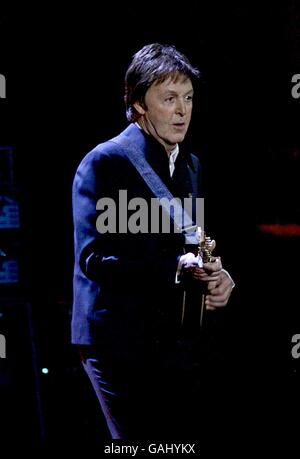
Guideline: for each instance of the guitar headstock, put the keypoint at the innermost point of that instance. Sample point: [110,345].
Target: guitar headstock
[206,246]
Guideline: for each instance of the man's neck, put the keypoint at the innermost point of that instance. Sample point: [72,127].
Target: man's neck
[168,148]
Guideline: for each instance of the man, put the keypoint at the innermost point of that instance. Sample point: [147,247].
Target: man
[129,286]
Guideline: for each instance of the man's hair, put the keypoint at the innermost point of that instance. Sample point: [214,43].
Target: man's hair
[153,63]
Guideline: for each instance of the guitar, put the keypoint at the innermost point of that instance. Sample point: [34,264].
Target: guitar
[191,315]
[205,248]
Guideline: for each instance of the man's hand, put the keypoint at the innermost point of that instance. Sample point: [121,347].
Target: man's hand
[209,272]
[219,283]
[189,262]
[219,291]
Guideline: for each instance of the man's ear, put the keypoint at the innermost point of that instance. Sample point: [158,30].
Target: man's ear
[140,107]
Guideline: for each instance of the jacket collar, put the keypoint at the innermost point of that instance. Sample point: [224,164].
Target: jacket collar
[153,150]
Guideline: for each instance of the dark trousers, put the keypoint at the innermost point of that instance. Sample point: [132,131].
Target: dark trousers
[157,398]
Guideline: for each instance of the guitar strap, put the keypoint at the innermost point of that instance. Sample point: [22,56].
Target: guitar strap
[183,223]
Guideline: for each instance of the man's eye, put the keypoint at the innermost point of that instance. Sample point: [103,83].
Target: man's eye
[189,98]
[169,99]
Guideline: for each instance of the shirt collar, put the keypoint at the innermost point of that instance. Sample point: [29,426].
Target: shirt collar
[174,153]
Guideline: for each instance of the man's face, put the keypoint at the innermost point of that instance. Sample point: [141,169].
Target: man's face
[167,112]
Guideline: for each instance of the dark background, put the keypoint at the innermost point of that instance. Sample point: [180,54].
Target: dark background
[64,74]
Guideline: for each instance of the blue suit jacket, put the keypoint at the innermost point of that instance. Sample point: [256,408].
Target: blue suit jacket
[124,284]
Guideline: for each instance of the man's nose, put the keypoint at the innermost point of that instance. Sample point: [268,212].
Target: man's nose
[180,107]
